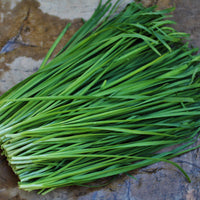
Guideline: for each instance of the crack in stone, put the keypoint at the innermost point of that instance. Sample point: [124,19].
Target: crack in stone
[15,41]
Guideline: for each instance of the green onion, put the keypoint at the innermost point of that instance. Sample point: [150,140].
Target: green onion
[122,89]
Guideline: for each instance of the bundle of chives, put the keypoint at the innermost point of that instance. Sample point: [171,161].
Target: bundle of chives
[123,88]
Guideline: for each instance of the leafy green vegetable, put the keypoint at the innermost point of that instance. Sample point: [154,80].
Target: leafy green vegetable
[122,89]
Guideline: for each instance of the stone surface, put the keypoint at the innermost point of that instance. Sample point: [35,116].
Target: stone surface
[30,35]
[33,26]
[72,8]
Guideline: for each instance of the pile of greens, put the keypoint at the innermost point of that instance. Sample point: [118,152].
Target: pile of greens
[122,89]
